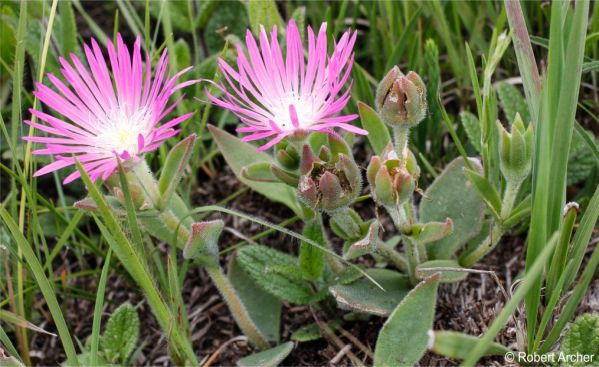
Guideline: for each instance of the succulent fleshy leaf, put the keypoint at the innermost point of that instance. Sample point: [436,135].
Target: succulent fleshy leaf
[424,233]
[286,177]
[259,171]
[365,245]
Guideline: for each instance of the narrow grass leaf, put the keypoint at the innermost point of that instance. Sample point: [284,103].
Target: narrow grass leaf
[99,305]
[44,285]
[528,281]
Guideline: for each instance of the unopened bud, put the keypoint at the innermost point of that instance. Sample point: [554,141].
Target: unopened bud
[401,99]
[392,181]
[515,150]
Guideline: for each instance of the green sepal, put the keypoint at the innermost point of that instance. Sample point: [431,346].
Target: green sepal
[203,242]
[173,168]
[259,172]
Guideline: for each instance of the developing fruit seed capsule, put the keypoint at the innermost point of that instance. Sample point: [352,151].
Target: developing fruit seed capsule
[328,185]
[401,99]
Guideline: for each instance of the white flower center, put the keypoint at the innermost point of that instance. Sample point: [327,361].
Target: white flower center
[304,107]
[119,130]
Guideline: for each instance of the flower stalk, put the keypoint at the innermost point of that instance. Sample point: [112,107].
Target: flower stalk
[174,224]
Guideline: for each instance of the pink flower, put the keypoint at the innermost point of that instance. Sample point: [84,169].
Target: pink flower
[104,116]
[276,97]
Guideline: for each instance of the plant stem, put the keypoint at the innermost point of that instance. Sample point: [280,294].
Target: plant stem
[238,310]
[398,215]
[485,247]
[509,198]
[400,133]
[507,204]
[148,182]
[334,263]
[414,258]
[396,258]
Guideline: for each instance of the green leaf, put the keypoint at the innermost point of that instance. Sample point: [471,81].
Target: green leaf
[299,15]
[276,272]
[486,190]
[203,242]
[590,66]
[364,296]
[424,233]
[268,358]
[378,133]
[182,53]
[43,283]
[134,264]
[264,309]
[472,127]
[223,20]
[404,337]
[265,13]
[451,195]
[512,102]
[17,320]
[311,259]
[94,339]
[67,32]
[583,339]
[405,40]
[260,172]
[121,334]
[177,11]
[307,333]
[173,168]
[239,154]
[428,268]
[456,345]
[581,161]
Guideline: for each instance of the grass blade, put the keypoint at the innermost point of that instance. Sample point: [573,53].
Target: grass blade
[44,285]
[529,280]
[95,337]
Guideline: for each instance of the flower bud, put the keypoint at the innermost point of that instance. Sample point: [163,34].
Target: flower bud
[515,150]
[328,185]
[392,181]
[286,155]
[401,99]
